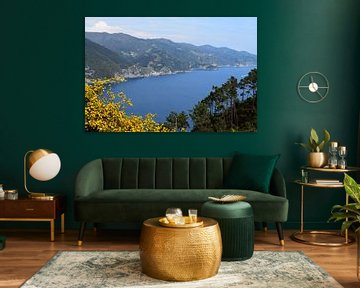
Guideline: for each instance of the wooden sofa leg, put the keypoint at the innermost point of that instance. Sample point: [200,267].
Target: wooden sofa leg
[81,233]
[280,233]
[265,227]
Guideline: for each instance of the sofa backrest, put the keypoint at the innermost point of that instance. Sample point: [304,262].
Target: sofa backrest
[165,173]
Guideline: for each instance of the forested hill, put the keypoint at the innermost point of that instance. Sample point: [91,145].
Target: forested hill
[109,54]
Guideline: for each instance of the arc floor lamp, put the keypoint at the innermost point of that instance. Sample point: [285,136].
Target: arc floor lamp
[43,165]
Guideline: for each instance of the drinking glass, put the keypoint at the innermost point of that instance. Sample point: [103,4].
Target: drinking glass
[172,214]
[193,215]
[179,220]
[304,176]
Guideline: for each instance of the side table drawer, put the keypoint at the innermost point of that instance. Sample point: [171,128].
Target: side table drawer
[32,209]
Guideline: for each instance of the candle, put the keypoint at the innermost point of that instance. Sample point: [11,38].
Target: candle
[342,154]
[342,149]
[333,144]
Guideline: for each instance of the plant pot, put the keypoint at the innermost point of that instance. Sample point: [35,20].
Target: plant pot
[317,159]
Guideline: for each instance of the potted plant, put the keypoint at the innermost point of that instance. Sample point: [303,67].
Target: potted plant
[317,157]
[350,213]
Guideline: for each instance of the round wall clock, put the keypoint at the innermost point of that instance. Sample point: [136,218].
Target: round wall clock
[313,87]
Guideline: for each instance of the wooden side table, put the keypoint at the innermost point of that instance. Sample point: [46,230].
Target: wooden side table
[26,209]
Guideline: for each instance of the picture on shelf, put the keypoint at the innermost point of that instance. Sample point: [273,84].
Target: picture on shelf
[170,74]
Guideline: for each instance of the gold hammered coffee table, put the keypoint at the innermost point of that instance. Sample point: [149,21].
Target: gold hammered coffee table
[180,254]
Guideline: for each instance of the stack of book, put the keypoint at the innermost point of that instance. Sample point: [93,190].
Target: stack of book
[327,181]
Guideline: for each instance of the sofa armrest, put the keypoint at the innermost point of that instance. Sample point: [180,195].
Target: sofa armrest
[277,184]
[89,179]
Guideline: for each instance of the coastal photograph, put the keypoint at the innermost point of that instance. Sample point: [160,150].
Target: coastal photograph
[170,74]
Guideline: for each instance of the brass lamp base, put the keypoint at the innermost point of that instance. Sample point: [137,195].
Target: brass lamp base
[41,196]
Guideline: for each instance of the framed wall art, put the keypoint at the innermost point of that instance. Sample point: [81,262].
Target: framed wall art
[171,74]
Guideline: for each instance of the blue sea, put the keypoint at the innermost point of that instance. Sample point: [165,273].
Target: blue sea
[177,92]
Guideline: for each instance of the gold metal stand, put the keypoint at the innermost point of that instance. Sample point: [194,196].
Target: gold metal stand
[297,235]
[41,196]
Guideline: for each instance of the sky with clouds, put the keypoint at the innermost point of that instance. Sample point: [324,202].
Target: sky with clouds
[239,33]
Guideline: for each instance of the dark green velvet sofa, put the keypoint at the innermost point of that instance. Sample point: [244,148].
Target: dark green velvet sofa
[131,190]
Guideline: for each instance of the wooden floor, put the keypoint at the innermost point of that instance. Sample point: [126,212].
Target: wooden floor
[28,250]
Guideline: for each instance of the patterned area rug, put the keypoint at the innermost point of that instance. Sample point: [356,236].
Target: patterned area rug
[122,269]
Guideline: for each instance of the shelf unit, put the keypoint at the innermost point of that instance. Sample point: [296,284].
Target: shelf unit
[297,235]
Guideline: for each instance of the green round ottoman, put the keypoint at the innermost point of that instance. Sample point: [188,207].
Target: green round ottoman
[236,221]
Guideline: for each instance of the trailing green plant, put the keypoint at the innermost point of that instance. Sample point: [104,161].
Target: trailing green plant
[314,144]
[349,214]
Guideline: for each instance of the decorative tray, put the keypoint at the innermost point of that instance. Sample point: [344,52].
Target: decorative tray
[228,198]
[165,222]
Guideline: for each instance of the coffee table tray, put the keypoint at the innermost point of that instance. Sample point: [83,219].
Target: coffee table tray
[164,222]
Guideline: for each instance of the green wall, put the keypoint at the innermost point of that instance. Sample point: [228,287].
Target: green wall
[41,95]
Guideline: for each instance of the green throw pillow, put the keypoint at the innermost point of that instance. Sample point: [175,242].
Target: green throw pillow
[251,172]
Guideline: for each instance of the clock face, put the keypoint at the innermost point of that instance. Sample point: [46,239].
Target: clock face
[313,87]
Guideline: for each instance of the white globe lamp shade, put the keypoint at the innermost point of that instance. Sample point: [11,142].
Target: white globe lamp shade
[44,164]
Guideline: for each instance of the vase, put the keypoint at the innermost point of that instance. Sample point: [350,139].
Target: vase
[317,159]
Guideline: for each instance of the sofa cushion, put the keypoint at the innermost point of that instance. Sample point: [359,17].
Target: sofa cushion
[251,172]
[164,173]
[266,207]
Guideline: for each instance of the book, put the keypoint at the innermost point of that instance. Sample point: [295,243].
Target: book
[327,181]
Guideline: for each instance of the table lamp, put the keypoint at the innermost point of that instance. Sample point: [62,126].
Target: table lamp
[43,165]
